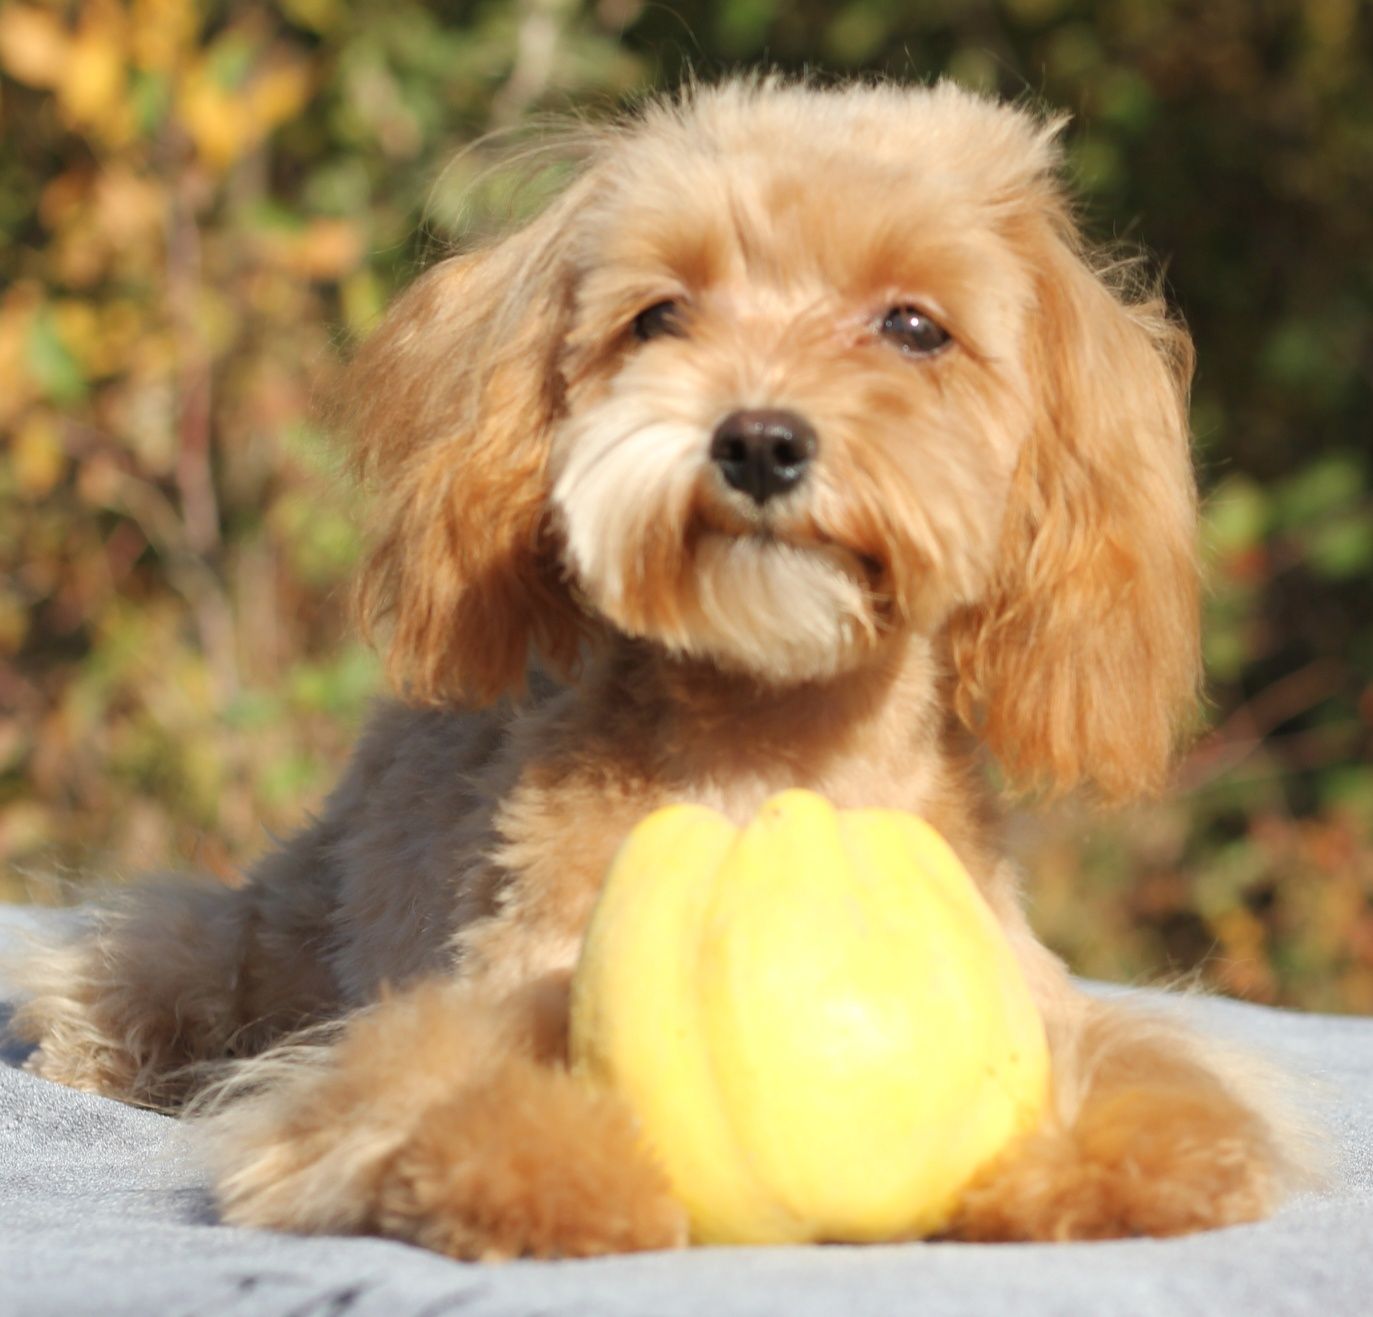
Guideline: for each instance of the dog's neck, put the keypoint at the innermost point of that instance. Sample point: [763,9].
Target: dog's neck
[877,736]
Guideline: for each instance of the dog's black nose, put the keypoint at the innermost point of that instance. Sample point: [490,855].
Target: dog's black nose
[763,453]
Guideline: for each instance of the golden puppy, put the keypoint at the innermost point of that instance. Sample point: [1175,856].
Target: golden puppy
[803,441]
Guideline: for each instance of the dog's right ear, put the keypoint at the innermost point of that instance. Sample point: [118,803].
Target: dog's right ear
[450,403]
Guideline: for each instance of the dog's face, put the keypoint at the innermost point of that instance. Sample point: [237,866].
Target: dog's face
[786,374]
[797,386]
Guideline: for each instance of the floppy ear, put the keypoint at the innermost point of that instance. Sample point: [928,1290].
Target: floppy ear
[1082,663]
[450,404]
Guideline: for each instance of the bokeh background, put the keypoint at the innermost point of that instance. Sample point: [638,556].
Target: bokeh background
[201,205]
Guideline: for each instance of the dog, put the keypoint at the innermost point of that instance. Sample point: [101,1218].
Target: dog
[799,442]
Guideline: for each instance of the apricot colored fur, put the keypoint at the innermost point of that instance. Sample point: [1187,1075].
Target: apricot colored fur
[992,552]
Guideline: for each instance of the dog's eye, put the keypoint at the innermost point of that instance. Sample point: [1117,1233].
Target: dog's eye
[913,331]
[655,321]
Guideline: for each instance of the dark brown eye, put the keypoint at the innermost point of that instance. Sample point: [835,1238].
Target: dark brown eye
[913,331]
[655,321]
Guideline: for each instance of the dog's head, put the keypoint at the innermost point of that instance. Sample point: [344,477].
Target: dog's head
[782,375]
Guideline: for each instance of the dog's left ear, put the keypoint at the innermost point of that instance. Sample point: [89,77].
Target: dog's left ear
[1081,664]
[450,403]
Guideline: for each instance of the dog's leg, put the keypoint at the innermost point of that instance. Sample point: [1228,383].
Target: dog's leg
[161,979]
[444,1116]
[1150,1136]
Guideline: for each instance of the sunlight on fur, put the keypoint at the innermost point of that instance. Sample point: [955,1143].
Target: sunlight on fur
[802,440]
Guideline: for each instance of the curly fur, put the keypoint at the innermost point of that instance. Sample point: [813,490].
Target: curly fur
[993,550]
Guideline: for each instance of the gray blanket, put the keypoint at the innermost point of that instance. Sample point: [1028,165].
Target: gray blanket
[103,1210]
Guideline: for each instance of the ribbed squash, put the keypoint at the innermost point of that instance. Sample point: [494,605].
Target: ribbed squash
[817,1019]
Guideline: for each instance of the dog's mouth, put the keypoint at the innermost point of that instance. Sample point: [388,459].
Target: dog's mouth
[787,529]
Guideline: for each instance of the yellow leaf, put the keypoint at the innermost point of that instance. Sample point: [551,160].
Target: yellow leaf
[123,326]
[319,15]
[63,197]
[98,481]
[326,249]
[278,94]
[14,626]
[130,208]
[78,328]
[33,45]
[215,122]
[16,317]
[162,32]
[330,249]
[25,825]
[36,456]
[91,90]
[1242,934]
[225,123]
[362,299]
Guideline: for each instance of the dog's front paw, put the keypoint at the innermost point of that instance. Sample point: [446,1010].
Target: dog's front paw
[447,1120]
[532,1163]
[1137,1161]
[520,1160]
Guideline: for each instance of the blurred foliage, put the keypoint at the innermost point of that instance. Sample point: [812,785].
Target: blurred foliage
[199,203]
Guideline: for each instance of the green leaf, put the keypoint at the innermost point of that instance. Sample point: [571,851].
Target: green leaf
[51,363]
[1343,548]
[856,34]
[1236,516]
[231,60]
[254,710]
[1348,788]
[742,26]
[151,94]
[1127,100]
[1323,488]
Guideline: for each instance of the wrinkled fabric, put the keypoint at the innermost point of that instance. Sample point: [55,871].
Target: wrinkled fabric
[103,1209]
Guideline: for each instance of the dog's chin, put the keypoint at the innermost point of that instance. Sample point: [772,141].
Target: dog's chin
[757,605]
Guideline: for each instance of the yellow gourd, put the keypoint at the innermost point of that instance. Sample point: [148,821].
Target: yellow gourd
[817,1020]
